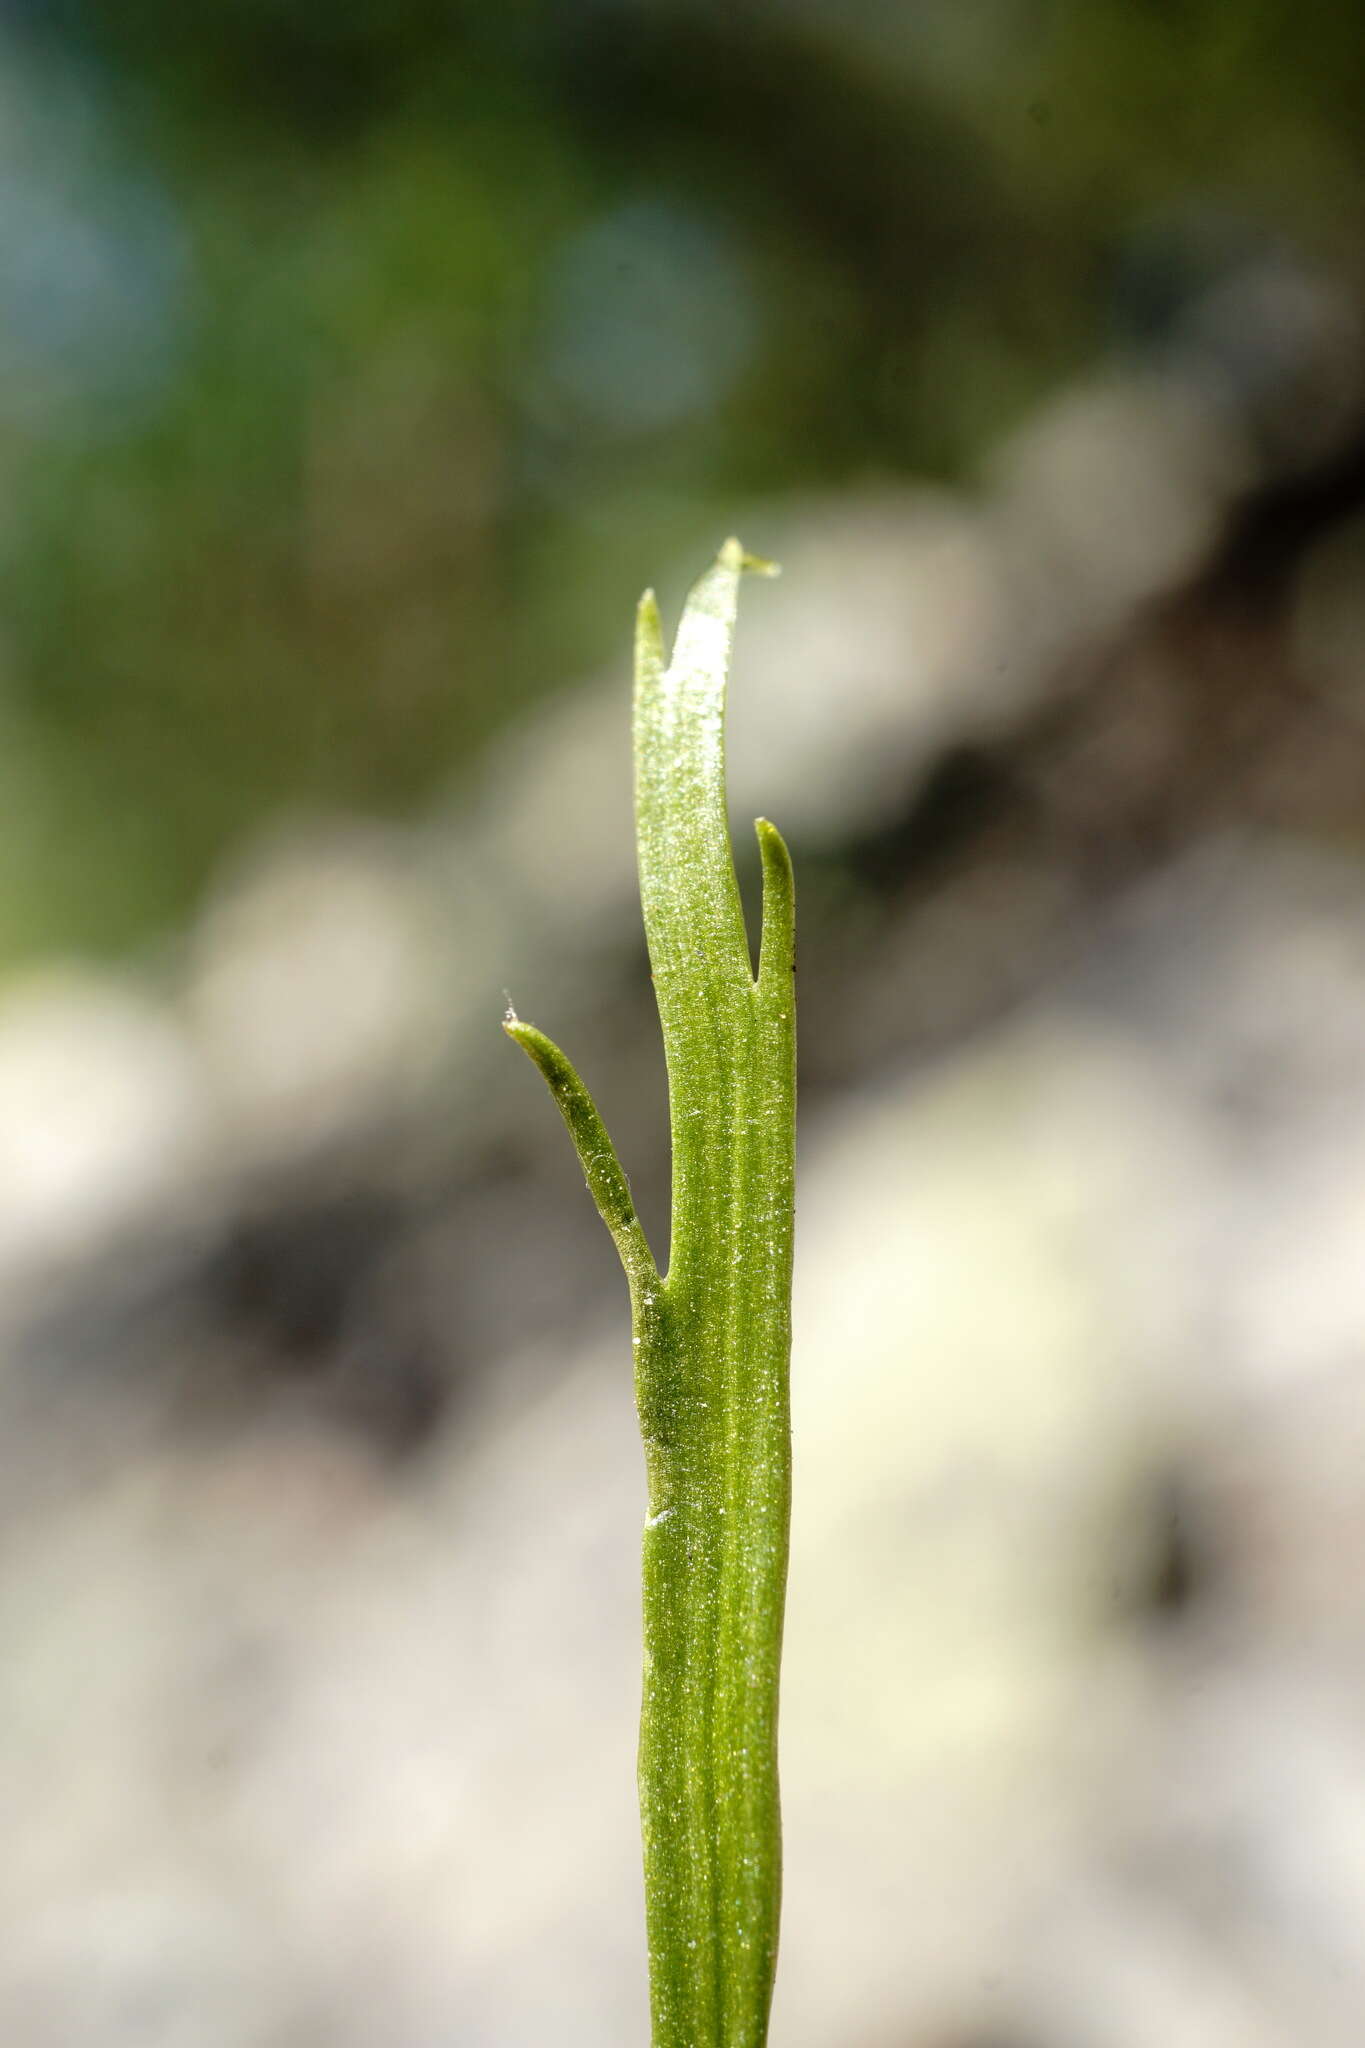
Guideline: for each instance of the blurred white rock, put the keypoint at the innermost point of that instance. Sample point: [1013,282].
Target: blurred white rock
[104,1117]
[314,989]
[1112,493]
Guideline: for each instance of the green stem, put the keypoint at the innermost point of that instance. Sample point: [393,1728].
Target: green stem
[712,1345]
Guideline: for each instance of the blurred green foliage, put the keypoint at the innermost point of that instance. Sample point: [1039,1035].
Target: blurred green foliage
[354,360]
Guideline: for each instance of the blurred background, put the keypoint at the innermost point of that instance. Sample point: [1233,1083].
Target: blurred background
[358,366]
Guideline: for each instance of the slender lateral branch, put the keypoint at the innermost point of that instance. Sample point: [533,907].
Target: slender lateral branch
[607,1184]
[712,1343]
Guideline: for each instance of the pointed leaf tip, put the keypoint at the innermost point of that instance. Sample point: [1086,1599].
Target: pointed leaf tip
[650,651]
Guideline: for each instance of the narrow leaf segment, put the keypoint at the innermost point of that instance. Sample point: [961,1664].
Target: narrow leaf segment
[712,1342]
